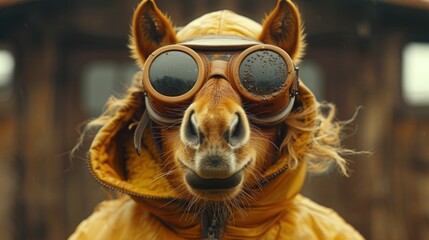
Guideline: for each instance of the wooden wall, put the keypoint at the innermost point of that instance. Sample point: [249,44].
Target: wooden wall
[357,44]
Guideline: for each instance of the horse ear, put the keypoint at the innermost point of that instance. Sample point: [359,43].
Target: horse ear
[282,27]
[150,30]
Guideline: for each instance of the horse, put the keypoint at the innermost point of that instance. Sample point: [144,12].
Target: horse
[215,136]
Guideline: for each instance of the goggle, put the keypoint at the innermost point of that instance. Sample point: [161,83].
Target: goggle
[263,75]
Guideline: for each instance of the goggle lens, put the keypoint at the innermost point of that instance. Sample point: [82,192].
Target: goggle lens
[173,73]
[263,72]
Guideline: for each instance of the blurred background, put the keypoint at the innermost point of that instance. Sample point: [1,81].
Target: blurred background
[61,60]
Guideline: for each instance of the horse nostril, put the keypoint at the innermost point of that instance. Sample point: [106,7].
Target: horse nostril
[191,132]
[236,133]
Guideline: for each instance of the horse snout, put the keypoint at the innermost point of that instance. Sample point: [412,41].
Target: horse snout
[214,152]
[215,166]
[236,133]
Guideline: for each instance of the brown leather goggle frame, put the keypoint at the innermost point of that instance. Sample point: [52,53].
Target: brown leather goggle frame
[238,48]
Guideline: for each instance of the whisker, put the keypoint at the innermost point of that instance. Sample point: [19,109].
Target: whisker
[163,175]
[266,140]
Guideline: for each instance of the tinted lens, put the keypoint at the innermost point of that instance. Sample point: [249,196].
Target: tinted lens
[263,72]
[173,73]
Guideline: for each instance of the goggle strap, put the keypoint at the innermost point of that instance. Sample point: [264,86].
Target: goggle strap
[138,133]
[149,114]
[295,84]
[157,117]
[276,119]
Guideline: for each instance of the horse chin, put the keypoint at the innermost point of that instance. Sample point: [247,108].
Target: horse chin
[216,195]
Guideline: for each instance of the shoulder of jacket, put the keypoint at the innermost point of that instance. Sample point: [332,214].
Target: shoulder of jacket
[103,220]
[324,221]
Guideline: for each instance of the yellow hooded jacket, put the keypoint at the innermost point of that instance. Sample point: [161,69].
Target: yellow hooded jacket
[152,209]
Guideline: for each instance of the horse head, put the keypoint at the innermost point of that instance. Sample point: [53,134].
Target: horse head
[218,92]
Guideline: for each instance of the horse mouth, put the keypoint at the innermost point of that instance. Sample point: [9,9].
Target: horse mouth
[199,183]
[213,184]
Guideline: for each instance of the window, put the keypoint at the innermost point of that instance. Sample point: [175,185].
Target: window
[7,68]
[415,74]
[102,79]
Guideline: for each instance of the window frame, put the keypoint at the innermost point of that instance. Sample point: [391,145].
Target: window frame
[7,89]
[406,99]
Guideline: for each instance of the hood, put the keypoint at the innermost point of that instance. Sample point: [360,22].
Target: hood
[223,22]
[114,163]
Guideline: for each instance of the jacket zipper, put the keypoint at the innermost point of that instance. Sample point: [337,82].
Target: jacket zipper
[210,225]
[275,174]
[213,230]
